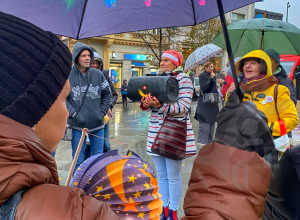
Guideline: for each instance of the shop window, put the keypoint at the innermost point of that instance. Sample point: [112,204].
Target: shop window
[115,73]
[136,72]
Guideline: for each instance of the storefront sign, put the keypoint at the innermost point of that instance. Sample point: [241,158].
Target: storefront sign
[135,57]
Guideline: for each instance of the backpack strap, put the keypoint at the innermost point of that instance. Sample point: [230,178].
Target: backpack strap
[9,208]
[275,98]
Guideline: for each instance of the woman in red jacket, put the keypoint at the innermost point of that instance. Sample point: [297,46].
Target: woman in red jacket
[228,79]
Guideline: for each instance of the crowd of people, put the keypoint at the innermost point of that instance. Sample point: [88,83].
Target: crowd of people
[237,174]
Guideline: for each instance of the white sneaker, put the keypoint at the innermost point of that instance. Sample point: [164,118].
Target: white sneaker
[200,145]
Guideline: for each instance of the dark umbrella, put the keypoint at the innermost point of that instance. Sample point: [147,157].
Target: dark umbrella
[80,19]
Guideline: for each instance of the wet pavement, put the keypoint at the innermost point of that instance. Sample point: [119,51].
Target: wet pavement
[130,125]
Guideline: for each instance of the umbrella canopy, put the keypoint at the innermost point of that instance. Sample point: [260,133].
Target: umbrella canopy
[201,56]
[80,19]
[126,183]
[263,33]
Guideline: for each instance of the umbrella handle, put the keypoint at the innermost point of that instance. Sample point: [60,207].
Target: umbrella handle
[84,132]
[262,39]
[229,49]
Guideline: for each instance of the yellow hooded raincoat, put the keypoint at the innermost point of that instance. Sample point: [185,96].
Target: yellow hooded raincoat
[285,106]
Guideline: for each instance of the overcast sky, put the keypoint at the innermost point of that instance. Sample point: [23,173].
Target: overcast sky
[280,7]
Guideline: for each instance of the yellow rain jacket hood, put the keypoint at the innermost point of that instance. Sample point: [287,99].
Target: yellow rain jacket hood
[261,55]
[265,100]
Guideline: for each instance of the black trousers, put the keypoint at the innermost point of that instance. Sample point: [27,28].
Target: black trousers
[124,99]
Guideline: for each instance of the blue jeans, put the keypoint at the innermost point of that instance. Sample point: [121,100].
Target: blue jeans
[169,180]
[96,145]
[106,136]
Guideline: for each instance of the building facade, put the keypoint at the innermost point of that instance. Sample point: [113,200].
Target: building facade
[268,14]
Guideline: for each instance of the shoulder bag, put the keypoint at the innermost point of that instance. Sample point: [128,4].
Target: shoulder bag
[170,141]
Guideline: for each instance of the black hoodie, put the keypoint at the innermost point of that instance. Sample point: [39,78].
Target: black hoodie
[98,98]
[286,81]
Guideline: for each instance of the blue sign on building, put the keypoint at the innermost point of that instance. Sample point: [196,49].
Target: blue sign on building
[135,57]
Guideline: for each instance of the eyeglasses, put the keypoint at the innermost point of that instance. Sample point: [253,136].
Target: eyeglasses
[251,63]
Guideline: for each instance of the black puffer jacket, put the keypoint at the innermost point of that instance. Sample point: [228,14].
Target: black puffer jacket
[284,190]
[288,82]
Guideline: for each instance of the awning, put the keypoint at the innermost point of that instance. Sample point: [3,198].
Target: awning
[138,64]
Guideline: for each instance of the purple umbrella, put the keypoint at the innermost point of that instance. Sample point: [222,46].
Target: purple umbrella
[80,19]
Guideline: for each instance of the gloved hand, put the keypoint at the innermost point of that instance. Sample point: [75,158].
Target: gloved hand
[242,125]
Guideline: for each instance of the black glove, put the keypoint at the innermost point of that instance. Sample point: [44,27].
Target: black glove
[242,125]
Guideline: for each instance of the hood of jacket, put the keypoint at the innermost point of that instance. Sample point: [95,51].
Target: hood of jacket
[24,161]
[261,55]
[282,72]
[98,58]
[124,80]
[78,48]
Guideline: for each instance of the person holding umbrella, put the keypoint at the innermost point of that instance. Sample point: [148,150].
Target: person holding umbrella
[206,113]
[260,87]
[168,170]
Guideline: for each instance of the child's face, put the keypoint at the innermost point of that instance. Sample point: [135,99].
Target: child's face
[251,68]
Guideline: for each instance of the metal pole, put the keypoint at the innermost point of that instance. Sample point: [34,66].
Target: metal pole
[160,44]
[228,46]
[207,31]
[287,11]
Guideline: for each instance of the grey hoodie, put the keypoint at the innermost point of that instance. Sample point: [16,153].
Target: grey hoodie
[98,98]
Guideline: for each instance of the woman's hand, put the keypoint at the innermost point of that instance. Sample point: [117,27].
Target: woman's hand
[145,104]
[212,75]
[155,102]
[220,81]
[231,88]
[149,100]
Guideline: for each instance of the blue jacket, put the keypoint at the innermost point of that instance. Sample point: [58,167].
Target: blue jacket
[98,99]
[123,87]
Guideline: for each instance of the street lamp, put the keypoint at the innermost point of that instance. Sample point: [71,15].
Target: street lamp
[287,11]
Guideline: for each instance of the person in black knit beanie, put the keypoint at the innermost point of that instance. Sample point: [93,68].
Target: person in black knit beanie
[34,85]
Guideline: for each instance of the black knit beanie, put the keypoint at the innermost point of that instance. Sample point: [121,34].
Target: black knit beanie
[34,67]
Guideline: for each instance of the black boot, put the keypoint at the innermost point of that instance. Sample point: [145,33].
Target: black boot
[172,215]
[164,214]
